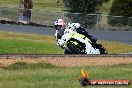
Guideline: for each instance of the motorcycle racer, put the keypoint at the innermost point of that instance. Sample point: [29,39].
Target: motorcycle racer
[60,27]
[70,34]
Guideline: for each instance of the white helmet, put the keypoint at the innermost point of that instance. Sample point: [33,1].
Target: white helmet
[59,24]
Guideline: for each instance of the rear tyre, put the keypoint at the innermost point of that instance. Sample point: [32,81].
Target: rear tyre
[101,49]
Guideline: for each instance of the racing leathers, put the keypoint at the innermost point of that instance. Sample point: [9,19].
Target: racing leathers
[76,27]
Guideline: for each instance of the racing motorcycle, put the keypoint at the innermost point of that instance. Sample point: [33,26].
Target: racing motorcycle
[72,45]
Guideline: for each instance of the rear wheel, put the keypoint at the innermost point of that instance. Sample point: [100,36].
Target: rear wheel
[101,49]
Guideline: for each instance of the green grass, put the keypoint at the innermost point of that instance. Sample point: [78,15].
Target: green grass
[12,43]
[15,43]
[116,47]
[45,75]
[38,4]
[10,3]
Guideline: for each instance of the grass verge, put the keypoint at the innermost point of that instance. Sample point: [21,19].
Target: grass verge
[41,4]
[45,75]
[114,47]
[13,43]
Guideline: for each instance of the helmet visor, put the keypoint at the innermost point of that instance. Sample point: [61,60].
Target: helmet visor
[58,27]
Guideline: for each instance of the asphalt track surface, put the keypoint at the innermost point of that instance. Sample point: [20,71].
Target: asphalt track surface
[119,36]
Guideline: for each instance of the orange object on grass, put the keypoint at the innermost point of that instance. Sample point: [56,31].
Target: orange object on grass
[84,74]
